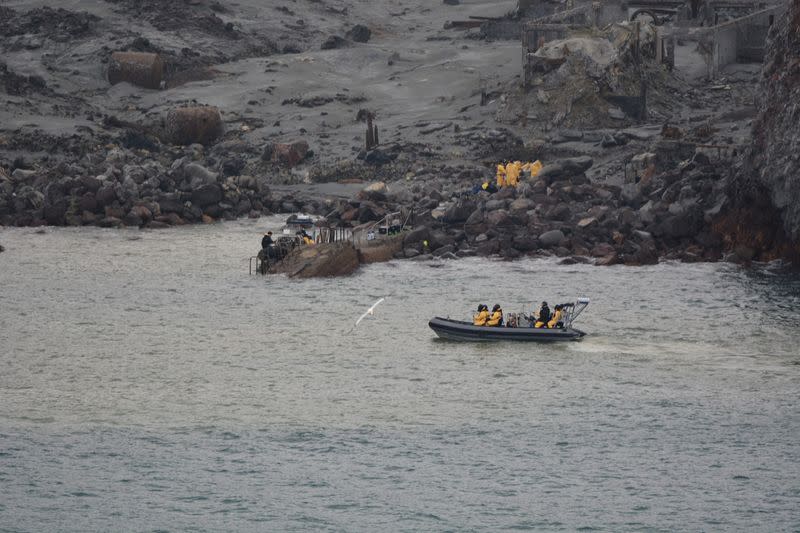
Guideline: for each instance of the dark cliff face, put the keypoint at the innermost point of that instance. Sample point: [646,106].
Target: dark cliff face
[766,189]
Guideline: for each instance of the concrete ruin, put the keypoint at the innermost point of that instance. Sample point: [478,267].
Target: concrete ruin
[714,34]
[739,40]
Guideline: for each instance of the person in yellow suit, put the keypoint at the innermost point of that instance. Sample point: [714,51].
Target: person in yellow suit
[512,173]
[482,316]
[307,239]
[557,314]
[497,316]
[534,168]
[501,176]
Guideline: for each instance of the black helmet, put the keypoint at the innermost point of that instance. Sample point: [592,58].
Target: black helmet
[544,304]
[496,307]
[480,307]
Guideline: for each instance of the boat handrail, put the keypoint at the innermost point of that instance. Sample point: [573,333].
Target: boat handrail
[577,308]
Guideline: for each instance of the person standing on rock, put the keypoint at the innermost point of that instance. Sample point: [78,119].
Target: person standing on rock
[501,176]
[512,173]
[266,241]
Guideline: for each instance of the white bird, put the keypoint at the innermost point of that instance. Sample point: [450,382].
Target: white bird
[369,311]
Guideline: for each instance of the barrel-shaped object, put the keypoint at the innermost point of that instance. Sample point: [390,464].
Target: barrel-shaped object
[198,124]
[139,68]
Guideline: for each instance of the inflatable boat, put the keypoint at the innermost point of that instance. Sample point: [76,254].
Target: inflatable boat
[459,330]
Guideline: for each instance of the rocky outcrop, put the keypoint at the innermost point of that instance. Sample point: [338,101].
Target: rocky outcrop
[765,220]
[130,188]
[320,260]
[378,251]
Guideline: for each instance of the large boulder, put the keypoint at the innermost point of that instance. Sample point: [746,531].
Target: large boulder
[439,238]
[525,243]
[551,238]
[416,236]
[170,203]
[380,250]
[459,212]
[333,42]
[199,175]
[522,204]
[487,248]
[320,260]
[475,218]
[288,154]
[565,168]
[206,195]
[54,213]
[498,219]
[378,157]
[495,204]
[359,33]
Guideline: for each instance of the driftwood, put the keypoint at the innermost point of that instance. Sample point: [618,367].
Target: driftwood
[139,68]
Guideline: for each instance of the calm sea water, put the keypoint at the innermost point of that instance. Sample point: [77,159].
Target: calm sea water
[147,382]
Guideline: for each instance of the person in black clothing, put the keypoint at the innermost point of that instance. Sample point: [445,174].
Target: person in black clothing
[268,250]
[266,242]
[544,315]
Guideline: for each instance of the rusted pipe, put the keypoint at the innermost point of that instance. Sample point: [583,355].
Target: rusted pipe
[199,124]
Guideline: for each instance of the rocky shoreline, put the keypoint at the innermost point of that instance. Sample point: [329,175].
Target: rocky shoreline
[623,193]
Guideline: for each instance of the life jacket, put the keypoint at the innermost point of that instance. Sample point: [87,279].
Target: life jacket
[497,318]
[512,174]
[555,319]
[534,168]
[308,240]
[481,318]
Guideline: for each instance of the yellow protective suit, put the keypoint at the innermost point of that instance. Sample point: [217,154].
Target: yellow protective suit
[501,176]
[308,240]
[512,173]
[481,318]
[534,168]
[555,319]
[497,318]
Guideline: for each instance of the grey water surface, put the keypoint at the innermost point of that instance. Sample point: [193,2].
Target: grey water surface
[148,383]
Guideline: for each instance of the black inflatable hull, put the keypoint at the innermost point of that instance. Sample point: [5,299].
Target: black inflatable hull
[457,330]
